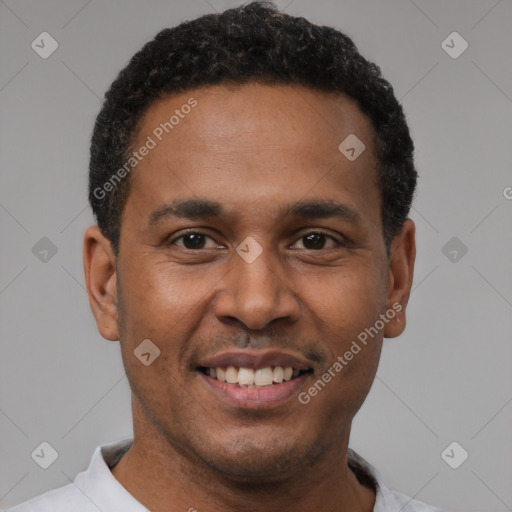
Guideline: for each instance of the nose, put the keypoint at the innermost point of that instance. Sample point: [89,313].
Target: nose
[256,294]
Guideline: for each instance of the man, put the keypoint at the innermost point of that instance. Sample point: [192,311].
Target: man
[251,175]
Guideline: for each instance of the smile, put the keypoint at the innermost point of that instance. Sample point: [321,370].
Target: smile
[247,379]
[253,378]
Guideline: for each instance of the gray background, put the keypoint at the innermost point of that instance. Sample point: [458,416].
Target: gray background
[446,379]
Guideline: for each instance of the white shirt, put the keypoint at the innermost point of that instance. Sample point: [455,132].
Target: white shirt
[96,489]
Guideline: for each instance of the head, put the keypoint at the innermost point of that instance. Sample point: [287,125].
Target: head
[234,227]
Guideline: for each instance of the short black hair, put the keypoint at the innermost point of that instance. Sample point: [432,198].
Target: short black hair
[251,43]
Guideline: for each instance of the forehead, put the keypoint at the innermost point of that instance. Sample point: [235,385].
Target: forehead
[245,143]
[233,113]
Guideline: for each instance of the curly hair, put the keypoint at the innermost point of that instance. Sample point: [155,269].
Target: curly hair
[251,43]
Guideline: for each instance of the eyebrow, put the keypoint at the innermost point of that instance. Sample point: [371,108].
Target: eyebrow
[186,209]
[204,208]
[323,209]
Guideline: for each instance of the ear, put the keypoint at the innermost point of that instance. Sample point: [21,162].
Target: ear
[100,281]
[401,269]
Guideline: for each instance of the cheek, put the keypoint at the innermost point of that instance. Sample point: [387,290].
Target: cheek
[345,308]
[343,319]
[157,296]
[167,306]
[347,300]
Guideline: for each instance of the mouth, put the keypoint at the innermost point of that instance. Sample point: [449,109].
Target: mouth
[254,380]
[244,377]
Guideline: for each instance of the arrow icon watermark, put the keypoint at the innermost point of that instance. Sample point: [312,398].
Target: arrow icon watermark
[44,250]
[351,147]
[44,455]
[146,352]
[44,45]
[249,249]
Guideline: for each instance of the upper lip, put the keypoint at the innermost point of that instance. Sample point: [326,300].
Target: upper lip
[256,359]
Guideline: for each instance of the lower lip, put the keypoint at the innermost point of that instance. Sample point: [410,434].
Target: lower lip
[254,398]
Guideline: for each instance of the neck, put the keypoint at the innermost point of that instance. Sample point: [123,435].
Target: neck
[164,478]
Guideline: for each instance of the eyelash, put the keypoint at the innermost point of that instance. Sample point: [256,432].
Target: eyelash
[171,241]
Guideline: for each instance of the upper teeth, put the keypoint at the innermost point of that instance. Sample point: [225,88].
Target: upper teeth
[247,377]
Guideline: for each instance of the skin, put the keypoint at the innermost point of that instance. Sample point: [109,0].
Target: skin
[255,149]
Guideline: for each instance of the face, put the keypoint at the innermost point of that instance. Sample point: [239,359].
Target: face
[251,254]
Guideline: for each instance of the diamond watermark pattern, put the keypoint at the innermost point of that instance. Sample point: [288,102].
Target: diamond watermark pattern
[44,455]
[454,455]
[44,250]
[44,45]
[351,147]
[454,249]
[146,352]
[249,249]
[454,45]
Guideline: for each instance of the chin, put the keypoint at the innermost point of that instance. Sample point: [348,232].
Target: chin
[247,460]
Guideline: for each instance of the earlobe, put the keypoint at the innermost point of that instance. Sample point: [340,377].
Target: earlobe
[401,271]
[101,281]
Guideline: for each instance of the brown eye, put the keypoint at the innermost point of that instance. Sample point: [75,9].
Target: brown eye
[193,240]
[317,241]
[314,241]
